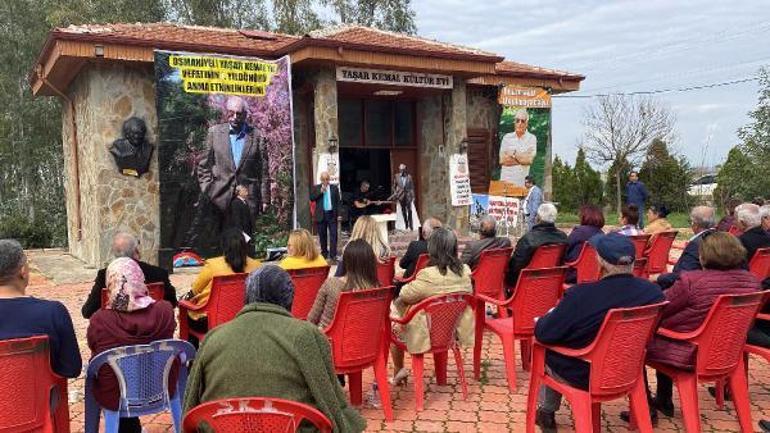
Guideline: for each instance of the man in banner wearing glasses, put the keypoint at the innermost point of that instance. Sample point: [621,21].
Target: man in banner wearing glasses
[517,151]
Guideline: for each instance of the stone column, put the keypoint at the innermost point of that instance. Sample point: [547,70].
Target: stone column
[455,131]
[324,111]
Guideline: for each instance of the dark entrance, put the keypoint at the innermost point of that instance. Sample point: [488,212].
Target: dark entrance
[359,164]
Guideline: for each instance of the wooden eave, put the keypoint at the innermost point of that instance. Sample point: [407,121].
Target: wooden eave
[556,84]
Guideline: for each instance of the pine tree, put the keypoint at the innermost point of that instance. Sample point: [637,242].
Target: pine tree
[588,182]
[667,177]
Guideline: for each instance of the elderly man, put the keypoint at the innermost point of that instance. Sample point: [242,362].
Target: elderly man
[544,232]
[488,240]
[702,221]
[409,261]
[126,245]
[532,202]
[517,150]
[577,318]
[749,219]
[23,316]
[327,204]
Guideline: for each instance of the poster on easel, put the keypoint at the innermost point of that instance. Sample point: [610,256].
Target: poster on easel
[330,163]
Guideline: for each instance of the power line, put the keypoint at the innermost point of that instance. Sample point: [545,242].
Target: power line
[659,91]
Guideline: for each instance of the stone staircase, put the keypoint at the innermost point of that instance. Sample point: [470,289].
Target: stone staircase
[399,241]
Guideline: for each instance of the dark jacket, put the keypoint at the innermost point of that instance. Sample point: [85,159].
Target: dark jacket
[318,197]
[240,216]
[754,239]
[579,235]
[690,299]
[413,251]
[473,250]
[541,234]
[688,261]
[109,329]
[152,274]
[636,193]
[577,318]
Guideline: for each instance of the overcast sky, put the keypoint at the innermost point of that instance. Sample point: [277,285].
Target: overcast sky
[623,46]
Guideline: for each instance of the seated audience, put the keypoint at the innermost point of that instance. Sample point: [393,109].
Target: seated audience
[444,274]
[235,260]
[131,317]
[764,212]
[629,221]
[418,247]
[702,224]
[727,221]
[25,316]
[360,274]
[544,232]
[302,252]
[657,222]
[126,245]
[366,228]
[749,220]
[488,240]
[591,224]
[577,318]
[690,298]
[265,352]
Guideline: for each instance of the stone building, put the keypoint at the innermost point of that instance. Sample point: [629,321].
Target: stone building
[342,79]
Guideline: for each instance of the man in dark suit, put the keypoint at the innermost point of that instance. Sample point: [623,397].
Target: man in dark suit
[126,245]
[403,192]
[544,232]
[488,240]
[409,261]
[702,221]
[327,203]
[239,215]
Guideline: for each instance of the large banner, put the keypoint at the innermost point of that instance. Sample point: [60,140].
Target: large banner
[505,210]
[524,137]
[225,122]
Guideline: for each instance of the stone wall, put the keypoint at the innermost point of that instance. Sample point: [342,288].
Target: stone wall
[455,132]
[303,125]
[324,109]
[104,97]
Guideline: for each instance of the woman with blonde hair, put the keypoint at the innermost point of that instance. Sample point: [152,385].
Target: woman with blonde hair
[366,228]
[302,252]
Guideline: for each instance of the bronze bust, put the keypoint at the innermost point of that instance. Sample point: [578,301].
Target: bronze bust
[132,152]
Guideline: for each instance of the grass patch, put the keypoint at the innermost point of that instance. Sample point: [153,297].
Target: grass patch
[680,220]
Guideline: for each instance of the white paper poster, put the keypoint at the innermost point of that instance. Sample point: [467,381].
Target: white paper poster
[459,180]
[330,163]
[505,210]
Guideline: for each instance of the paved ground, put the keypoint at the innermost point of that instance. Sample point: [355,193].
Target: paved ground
[490,407]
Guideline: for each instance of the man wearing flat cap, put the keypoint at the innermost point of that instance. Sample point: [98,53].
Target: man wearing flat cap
[576,320]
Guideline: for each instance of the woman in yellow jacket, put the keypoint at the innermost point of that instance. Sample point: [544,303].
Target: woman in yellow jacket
[656,215]
[302,252]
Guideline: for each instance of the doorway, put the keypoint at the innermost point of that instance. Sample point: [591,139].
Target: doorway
[359,164]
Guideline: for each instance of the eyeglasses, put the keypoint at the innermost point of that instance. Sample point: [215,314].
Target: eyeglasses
[521,120]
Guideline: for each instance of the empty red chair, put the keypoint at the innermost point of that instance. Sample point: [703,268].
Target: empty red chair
[640,244]
[422,262]
[443,314]
[254,415]
[156,292]
[760,263]
[306,281]
[386,271]
[586,265]
[537,291]
[359,339]
[640,268]
[657,253]
[547,256]
[228,293]
[489,276]
[28,385]
[720,343]
[617,366]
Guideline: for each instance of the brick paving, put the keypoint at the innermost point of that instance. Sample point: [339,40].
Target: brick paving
[490,407]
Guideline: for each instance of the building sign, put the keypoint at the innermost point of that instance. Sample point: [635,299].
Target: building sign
[393,78]
[459,180]
[524,97]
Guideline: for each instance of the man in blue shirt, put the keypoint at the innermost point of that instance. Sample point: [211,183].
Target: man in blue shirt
[636,194]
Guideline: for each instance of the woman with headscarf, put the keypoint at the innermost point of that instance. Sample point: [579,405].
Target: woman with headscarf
[130,317]
[265,352]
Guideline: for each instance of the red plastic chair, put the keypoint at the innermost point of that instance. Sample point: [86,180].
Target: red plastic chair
[657,253]
[640,268]
[547,256]
[640,243]
[586,265]
[422,263]
[386,271]
[306,281]
[359,340]
[616,357]
[537,291]
[760,263]
[254,415]
[28,383]
[225,301]
[720,343]
[156,292]
[443,314]
[489,277]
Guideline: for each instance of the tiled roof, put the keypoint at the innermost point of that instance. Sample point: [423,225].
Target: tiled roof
[515,69]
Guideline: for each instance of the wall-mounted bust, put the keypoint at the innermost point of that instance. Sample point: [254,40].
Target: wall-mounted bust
[132,152]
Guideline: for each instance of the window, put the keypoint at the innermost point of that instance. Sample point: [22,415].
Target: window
[404,124]
[350,120]
[379,122]
[376,123]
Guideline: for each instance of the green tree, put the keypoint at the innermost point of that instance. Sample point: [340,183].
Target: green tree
[738,178]
[667,177]
[618,172]
[564,185]
[589,188]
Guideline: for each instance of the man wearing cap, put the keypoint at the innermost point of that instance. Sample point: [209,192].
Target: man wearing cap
[576,320]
